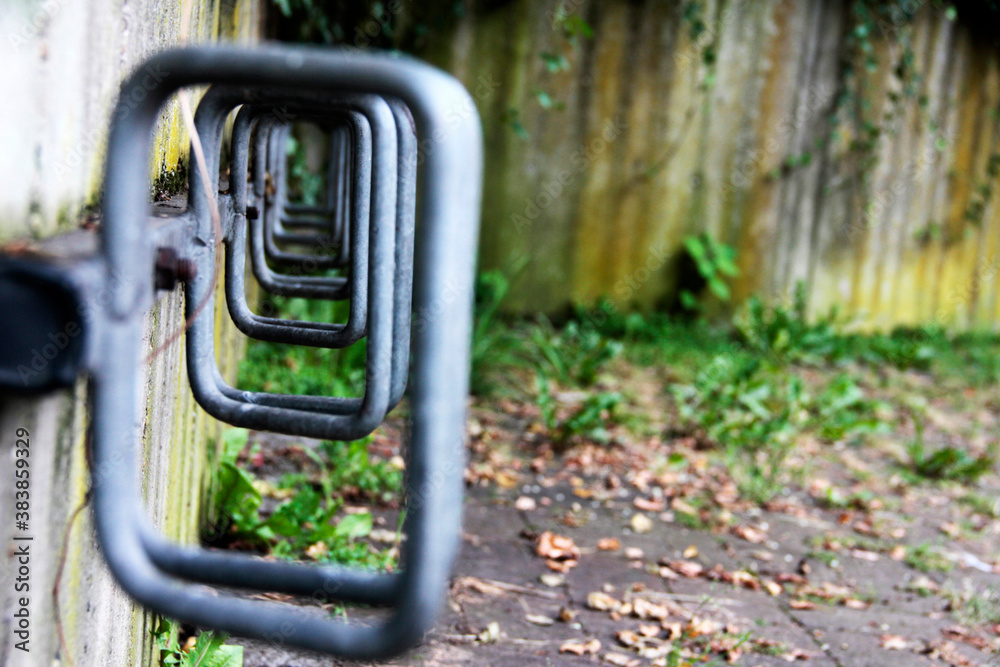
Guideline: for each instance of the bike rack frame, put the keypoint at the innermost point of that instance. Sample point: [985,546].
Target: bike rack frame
[110,347]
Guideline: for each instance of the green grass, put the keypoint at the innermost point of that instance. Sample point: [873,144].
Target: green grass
[946,463]
[927,558]
[741,388]
[209,650]
[974,605]
[308,522]
[299,369]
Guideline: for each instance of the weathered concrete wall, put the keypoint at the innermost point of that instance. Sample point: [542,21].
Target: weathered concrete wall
[62,62]
[656,130]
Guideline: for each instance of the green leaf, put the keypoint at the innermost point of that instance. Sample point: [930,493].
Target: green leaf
[544,99]
[555,62]
[226,656]
[210,651]
[719,288]
[233,441]
[689,300]
[354,526]
[290,518]
[236,495]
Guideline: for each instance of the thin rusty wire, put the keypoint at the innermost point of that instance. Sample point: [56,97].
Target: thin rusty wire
[202,165]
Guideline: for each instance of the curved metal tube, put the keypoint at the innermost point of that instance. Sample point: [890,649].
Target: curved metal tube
[444,262]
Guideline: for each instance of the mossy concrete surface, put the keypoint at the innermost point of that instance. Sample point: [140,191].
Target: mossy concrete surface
[63,62]
[662,125]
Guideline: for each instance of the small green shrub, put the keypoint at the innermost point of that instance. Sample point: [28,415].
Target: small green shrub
[491,340]
[946,463]
[307,517]
[587,420]
[573,355]
[715,262]
[209,650]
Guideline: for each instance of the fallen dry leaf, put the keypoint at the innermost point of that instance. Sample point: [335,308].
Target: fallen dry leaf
[634,553]
[556,547]
[795,654]
[644,609]
[649,505]
[750,534]
[589,647]
[609,544]
[801,604]
[698,627]
[490,634]
[561,566]
[603,602]
[892,642]
[525,504]
[691,552]
[538,619]
[641,523]
[552,580]
[773,588]
[620,659]
[687,568]
[506,480]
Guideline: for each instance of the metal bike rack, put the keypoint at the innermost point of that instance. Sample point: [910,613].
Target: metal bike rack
[137,256]
[402,288]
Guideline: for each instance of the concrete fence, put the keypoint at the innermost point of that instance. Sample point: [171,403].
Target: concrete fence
[62,63]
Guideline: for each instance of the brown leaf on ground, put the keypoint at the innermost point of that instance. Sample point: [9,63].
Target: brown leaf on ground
[621,660]
[589,647]
[641,523]
[750,534]
[567,615]
[962,634]
[892,642]
[556,547]
[539,619]
[795,654]
[649,504]
[698,627]
[801,604]
[946,651]
[609,544]
[634,553]
[552,580]
[561,566]
[603,602]
[525,504]
[645,609]
[686,568]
